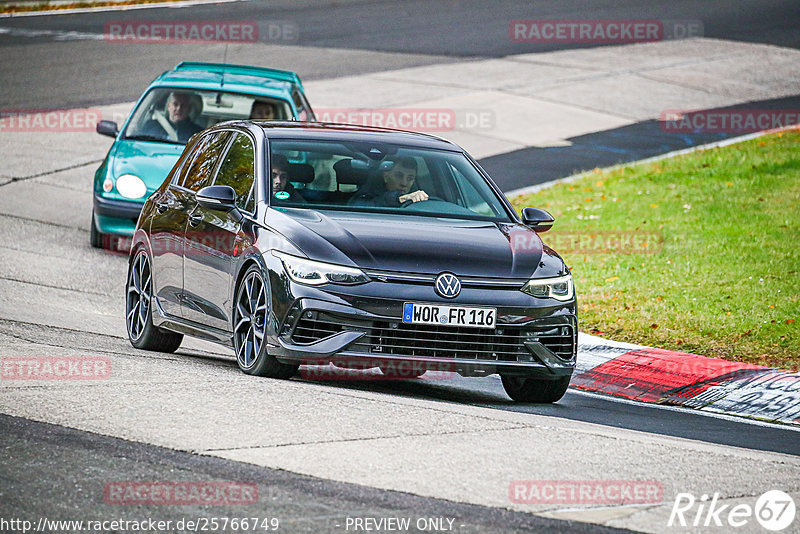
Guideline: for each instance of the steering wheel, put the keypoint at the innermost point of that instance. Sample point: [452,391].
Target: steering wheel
[409,202]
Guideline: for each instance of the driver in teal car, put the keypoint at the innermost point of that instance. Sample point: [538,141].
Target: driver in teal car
[176,124]
[397,187]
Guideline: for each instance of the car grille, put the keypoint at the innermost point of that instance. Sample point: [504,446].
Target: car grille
[504,343]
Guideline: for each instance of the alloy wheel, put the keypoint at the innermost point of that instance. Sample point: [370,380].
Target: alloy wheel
[250,319]
[140,283]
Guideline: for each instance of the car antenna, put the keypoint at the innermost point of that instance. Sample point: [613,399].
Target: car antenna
[225,64]
[218,100]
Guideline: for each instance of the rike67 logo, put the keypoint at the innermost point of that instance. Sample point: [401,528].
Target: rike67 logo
[774,510]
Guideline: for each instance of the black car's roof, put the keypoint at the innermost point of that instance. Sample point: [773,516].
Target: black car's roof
[349,132]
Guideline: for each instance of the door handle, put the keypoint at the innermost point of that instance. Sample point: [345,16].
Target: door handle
[195,220]
[161,207]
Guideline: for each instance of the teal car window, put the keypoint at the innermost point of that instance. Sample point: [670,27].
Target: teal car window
[238,171]
[173,115]
[304,112]
[200,172]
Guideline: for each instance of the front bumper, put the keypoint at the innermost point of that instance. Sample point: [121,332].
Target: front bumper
[527,341]
[116,216]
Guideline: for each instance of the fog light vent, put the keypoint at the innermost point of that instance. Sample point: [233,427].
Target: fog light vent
[290,319]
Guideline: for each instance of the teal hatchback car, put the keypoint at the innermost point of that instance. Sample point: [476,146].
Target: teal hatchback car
[179,103]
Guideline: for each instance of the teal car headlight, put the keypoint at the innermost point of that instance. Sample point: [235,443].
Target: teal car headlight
[314,273]
[131,186]
[560,288]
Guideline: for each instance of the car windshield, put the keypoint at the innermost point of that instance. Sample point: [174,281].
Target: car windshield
[173,115]
[369,177]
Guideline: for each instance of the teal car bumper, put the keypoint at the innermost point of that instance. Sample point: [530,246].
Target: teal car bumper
[116,216]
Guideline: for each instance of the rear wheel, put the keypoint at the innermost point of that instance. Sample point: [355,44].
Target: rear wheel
[250,313]
[526,389]
[138,317]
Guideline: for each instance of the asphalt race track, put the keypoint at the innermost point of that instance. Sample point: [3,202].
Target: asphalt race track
[58,68]
[324,452]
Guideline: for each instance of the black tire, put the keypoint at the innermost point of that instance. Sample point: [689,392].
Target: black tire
[250,313]
[138,309]
[96,237]
[526,389]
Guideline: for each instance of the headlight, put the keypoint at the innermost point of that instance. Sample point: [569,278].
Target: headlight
[315,273]
[131,186]
[558,288]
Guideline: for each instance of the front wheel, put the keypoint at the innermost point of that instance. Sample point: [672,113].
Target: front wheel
[250,313]
[138,317]
[526,389]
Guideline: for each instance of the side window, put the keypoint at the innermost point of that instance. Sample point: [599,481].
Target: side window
[304,112]
[470,196]
[238,171]
[200,172]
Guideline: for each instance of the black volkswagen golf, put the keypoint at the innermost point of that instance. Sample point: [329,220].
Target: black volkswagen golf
[307,243]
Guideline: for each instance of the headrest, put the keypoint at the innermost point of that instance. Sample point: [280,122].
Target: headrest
[301,173]
[346,174]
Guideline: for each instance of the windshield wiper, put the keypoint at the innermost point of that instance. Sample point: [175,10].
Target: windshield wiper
[145,137]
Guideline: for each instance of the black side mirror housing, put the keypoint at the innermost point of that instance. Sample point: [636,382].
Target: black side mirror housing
[217,197]
[537,219]
[108,128]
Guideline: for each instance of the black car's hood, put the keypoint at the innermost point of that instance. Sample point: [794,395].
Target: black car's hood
[409,243]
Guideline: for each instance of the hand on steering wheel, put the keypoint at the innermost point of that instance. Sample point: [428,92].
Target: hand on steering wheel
[409,201]
[414,196]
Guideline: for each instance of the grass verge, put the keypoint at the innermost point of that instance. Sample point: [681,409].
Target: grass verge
[698,253]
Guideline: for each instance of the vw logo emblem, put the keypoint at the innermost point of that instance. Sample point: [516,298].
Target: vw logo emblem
[447,285]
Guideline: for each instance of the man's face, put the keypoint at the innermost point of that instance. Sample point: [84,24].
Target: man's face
[279,179]
[399,179]
[178,107]
[263,111]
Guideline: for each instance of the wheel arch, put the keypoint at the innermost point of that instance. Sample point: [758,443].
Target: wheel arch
[247,261]
[140,240]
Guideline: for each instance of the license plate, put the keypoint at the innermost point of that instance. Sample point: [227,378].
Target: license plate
[415,313]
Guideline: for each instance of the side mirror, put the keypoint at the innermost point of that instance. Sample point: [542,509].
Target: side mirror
[217,197]
[108,128]
[538,219]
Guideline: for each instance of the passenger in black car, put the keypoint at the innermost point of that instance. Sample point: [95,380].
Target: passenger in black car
[398,185]
[282,189]
[176,124]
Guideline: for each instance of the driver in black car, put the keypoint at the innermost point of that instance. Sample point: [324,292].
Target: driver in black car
[397,188]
